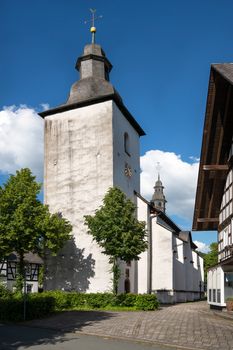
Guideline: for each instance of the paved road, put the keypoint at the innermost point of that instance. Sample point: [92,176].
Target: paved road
[27,338]
[188,325]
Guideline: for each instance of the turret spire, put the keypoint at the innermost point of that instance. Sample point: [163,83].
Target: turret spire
[158,198]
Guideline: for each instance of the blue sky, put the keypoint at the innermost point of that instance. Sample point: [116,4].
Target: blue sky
[161,54]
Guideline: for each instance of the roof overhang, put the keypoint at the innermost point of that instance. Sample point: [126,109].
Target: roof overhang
[216,144]
[114,97]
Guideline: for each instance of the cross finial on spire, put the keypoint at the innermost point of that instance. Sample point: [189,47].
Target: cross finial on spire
[93,28]
[158,168]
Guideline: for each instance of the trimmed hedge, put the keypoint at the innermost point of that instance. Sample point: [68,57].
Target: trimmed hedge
[37,306]
[4,292]
[43,304]
[146,302]
[72,300]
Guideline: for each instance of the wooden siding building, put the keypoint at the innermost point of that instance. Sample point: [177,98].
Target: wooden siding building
[214,196]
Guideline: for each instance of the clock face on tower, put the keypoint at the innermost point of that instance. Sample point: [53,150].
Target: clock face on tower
[128,170]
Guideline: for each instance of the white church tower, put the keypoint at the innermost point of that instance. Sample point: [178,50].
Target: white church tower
[91,144]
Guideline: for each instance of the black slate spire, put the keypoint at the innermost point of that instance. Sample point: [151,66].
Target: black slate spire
[94,68]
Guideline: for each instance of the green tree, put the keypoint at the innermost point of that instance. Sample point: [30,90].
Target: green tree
[210,258]
[115,228]
[26,225]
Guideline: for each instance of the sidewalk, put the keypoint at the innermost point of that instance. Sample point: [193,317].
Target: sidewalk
[188,326]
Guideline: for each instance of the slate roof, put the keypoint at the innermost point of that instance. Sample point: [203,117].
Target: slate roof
[185,236]
[28,257]
[93,86]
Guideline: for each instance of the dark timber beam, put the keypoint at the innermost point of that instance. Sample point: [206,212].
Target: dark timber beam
[207,219]
[215,167]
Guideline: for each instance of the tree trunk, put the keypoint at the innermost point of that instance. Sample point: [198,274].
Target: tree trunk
[20,273]
[116,275]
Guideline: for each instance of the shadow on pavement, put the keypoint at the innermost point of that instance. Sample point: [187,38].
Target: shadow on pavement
[47,331]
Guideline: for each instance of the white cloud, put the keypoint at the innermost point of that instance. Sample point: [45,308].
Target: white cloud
[21,140]
[21,145]
[202,247]
[45,106]
[178,177]
[195,159]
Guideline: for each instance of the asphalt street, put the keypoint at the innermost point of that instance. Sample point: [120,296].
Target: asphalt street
[28,338]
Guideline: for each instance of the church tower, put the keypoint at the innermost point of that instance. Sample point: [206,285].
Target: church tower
[91,144]
[158,198]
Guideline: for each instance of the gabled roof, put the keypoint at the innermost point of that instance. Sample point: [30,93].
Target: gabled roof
[216,143]
[111,97]
[186,236]
[160,213]
[28,258]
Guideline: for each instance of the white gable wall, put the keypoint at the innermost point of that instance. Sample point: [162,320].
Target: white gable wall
[84,157]
[121,125]
[78,172]
[162,259]
[178,261]
[188,267]
[128,184]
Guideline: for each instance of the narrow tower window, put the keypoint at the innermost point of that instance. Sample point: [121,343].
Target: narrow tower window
[126,143]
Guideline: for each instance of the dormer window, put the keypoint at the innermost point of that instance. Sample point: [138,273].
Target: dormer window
[126,143]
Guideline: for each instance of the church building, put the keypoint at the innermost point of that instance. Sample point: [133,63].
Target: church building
[170,267]
[91,144]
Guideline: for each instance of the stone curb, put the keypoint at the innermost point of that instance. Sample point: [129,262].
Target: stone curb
[140,340]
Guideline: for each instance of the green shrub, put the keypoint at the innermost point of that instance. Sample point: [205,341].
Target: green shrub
[99,300]
[37,306]
[66,300]
[126,299]
[11,309]
[4,292]
[42,304]
[74,300]
[146,302]
[229,299]
[61,301]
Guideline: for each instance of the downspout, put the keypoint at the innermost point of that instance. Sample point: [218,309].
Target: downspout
[149,255]
[150,250]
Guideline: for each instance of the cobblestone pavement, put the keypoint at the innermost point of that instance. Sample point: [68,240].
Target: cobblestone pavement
[188,326]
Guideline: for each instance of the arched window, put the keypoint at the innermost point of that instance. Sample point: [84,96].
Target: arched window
[126,143]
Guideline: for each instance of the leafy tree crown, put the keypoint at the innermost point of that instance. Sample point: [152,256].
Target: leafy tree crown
[115,227]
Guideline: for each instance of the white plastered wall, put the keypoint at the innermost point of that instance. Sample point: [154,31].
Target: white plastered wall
[121,125]
[78,172]
[162,259]
[178,263]
[128,184]
[215,282]
[84,157]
